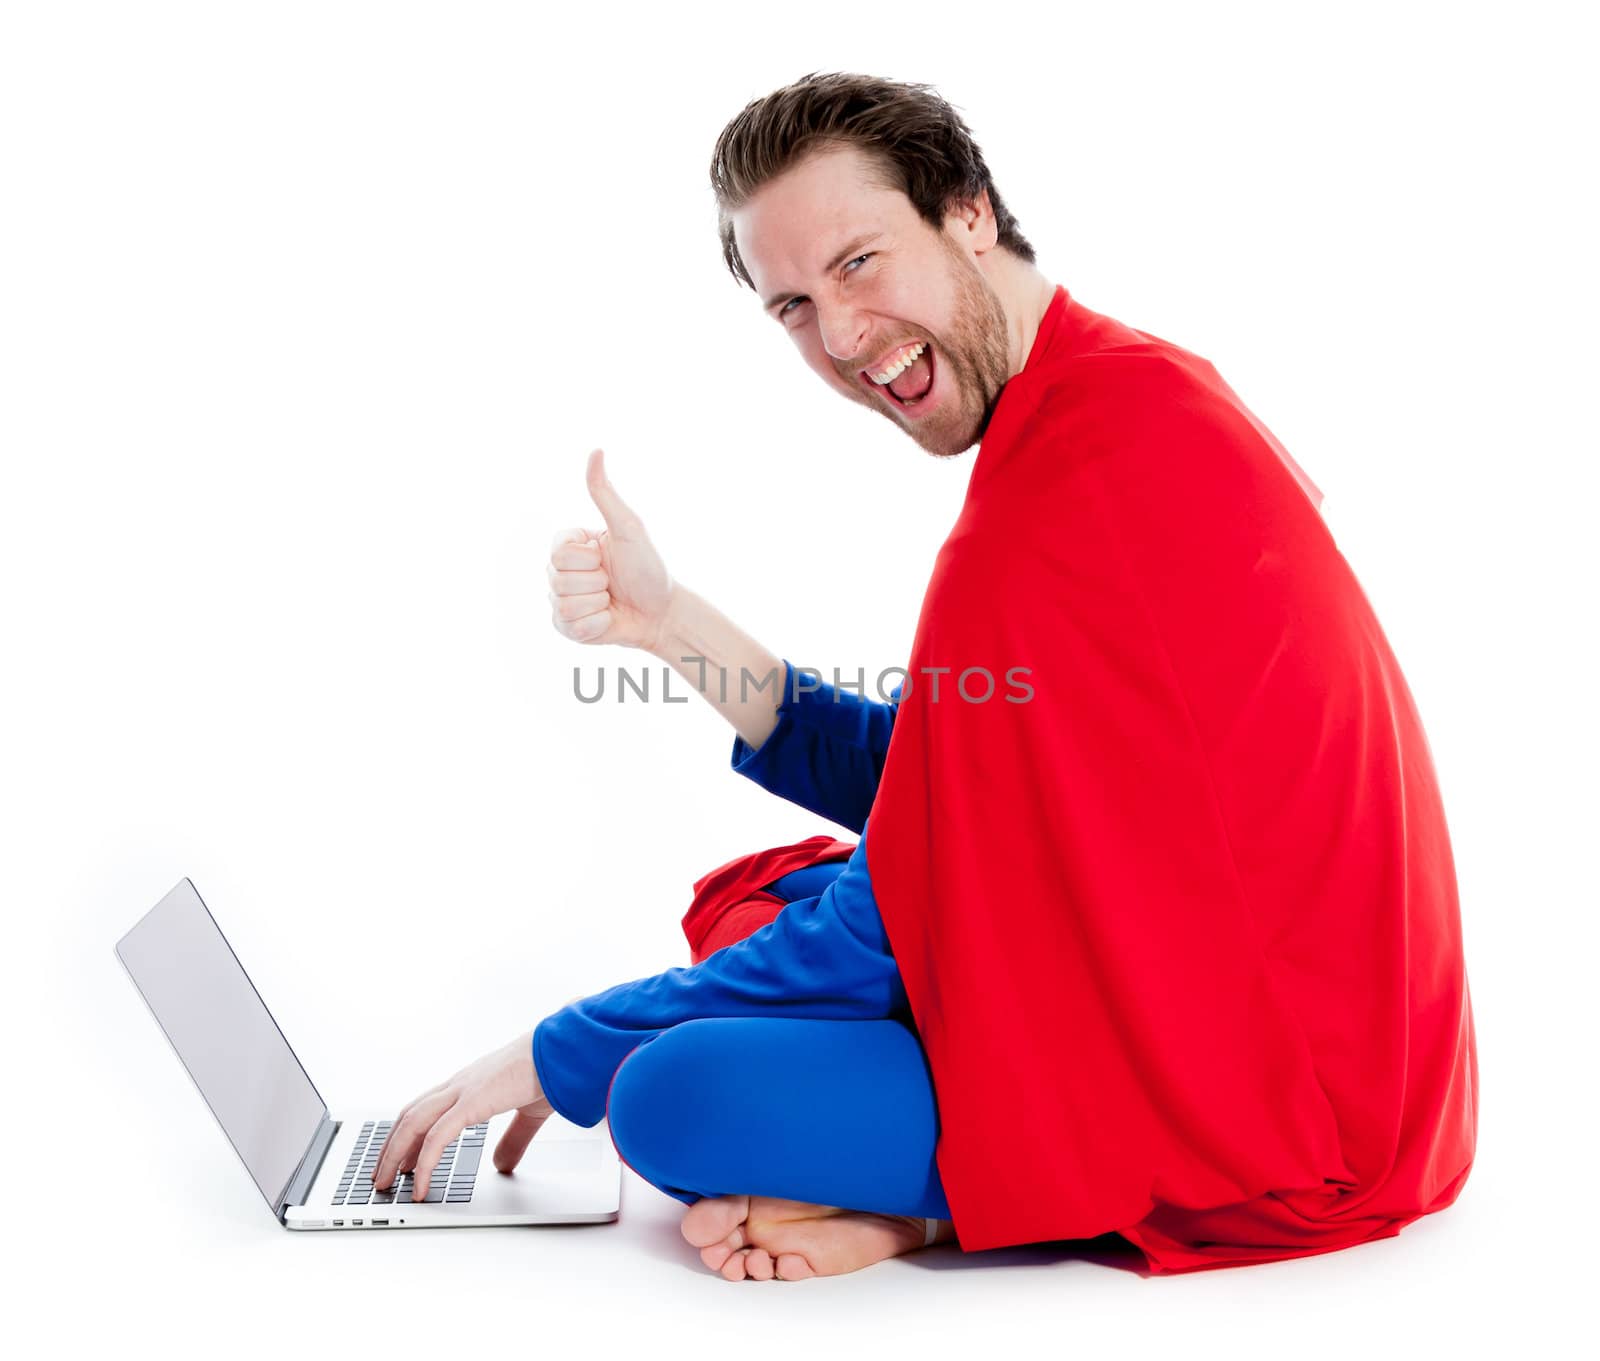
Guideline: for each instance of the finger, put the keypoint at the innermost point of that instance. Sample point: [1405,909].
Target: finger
[388,1139]
[403,1135]
[445,1128]
[570,607]
[583,630]
[565,536]
[576,583]
[576,555]
[619,517]
[390,1157]
[514,1142]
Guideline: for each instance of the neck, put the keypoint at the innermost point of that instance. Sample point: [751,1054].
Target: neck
[1025,294]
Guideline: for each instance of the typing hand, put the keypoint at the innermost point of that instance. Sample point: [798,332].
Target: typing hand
[502,1081]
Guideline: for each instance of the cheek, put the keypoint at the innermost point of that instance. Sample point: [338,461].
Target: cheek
[808,340]
[817,358]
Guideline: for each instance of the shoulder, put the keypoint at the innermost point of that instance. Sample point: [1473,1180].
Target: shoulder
[1153,417]
[1149,439]
[1139,386]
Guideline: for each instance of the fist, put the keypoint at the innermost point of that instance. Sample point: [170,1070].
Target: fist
[608,585]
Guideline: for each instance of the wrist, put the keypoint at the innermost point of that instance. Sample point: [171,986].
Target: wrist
[528,1044]
[668,640]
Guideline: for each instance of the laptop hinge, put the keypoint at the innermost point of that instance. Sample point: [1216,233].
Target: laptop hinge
[300,1184]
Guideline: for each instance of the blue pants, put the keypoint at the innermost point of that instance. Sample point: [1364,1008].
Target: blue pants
[829,1112]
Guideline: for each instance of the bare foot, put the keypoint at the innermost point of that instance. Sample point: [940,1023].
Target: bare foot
[763,1237]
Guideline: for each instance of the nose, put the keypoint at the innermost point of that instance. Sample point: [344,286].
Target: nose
[843,332]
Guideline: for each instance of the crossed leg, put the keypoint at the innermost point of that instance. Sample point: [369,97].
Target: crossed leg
[803,1147]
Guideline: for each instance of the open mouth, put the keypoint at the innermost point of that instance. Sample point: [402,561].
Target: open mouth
[911,403]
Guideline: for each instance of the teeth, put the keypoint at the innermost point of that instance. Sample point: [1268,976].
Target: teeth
[894,370]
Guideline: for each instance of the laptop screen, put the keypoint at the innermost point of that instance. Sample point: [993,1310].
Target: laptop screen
[225,1036]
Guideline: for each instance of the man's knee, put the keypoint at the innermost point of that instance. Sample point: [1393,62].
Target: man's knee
[651,1104]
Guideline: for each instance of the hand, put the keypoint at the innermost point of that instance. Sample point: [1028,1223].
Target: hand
[502,1081]
[610,585]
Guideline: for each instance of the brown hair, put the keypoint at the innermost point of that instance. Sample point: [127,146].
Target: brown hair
[917,141]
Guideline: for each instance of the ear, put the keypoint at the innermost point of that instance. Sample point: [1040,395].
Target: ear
[972,223]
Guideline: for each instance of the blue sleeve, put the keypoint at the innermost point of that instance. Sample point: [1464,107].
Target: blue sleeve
[827,752]
[823,957]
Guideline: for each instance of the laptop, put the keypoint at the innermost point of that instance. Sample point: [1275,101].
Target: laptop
[315,1171]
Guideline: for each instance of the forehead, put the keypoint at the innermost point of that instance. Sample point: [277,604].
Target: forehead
[791,225]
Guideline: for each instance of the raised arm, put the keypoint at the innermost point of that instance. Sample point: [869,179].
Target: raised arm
[819,746]
[724,665]
[826,751]
[611,586]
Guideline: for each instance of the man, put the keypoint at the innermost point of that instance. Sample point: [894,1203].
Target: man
[1164,867]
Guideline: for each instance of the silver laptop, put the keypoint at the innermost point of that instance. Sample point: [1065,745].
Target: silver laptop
[316,1172]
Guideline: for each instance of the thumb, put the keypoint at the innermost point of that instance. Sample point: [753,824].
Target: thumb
[619,518]
[519,1134]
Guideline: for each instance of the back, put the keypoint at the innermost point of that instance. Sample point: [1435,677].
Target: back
[1324,780]
[1188,914]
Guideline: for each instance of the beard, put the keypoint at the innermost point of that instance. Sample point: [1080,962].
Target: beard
[973,355]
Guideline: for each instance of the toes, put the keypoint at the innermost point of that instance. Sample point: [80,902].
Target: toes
[733,1268]
[710,1220]
[716,1254]
[759,1264]
[791,1266]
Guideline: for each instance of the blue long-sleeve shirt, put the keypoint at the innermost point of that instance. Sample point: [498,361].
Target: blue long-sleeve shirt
[825,956]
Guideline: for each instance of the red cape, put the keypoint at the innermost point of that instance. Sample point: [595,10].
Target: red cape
[1180,932]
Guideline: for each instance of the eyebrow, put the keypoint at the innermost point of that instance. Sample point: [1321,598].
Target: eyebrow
[847,253]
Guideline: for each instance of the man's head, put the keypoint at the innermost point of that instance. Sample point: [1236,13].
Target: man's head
[862,214]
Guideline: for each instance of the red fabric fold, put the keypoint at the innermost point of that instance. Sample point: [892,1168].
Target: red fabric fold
[729,902]
[1180,930]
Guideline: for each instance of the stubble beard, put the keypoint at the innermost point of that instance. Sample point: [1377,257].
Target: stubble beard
[974,356]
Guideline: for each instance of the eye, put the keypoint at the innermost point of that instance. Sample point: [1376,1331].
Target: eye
[784,310]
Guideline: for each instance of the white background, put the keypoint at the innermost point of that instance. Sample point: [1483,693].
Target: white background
[311,314]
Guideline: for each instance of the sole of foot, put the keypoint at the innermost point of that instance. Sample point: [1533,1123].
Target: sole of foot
[763,1238]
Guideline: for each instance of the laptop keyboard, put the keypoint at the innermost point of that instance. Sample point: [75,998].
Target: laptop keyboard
[451,1182]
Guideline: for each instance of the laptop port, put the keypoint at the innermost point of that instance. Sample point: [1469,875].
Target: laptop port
[381,1221]
[355,1221]
[338,1223]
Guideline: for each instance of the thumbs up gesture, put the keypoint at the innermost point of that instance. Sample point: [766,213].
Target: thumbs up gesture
[608,585]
